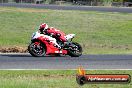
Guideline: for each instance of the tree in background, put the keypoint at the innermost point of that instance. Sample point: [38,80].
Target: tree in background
[118,0]
[107,2]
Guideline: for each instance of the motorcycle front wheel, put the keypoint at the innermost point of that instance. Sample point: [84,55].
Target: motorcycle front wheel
[36,50]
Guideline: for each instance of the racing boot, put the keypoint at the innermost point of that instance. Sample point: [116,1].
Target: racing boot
[66,45]
[59,47]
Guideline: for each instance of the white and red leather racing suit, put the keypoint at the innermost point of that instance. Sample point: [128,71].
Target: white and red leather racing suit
[55,32]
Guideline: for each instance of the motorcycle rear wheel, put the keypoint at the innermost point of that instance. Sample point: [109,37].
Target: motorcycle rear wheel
[77,52]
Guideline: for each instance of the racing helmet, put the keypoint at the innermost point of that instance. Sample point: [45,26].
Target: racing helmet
[43,27]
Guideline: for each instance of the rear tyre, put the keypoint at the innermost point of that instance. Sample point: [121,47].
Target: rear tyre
[37,50]
[75,50]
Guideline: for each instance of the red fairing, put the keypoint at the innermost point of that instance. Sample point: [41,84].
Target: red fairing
[50,46]
[56,31]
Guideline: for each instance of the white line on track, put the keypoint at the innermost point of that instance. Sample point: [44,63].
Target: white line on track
[66,69]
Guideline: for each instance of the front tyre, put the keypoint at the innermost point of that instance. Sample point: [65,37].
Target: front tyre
[75,50]
[36,49]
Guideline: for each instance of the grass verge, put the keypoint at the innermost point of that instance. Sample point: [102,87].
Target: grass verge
[97,32]
[53,79]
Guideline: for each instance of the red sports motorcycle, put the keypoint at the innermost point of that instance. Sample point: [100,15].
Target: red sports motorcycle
[41,46]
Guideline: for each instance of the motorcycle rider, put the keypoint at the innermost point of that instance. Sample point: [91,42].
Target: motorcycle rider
[51,32]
